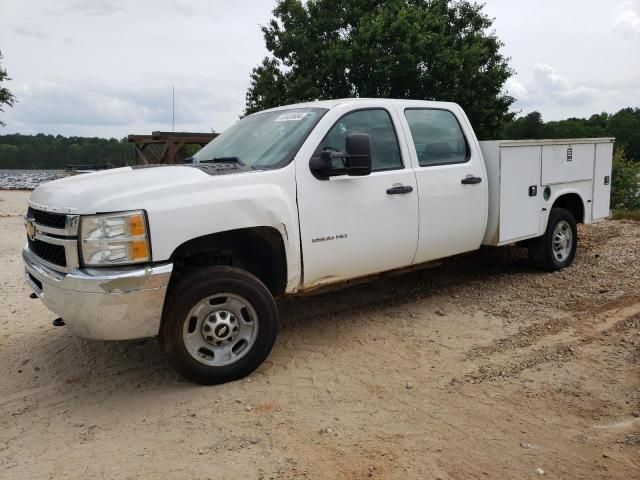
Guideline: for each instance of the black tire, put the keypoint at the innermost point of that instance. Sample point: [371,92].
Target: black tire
[541,250]
[202,284]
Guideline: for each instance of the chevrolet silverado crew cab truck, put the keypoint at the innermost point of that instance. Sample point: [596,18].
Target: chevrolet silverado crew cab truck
[289,200]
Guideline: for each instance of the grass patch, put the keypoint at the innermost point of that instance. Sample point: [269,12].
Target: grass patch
[622,214]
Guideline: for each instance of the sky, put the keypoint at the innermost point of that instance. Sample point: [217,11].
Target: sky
[107,67]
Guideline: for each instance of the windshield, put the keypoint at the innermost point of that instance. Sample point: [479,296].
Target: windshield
[263,140]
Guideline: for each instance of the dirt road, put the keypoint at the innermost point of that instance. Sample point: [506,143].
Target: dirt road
[481,368]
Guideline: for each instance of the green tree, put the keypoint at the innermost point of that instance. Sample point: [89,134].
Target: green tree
[624,125]
[419,49]
[6,97]
[527,127]
[49,151]
[625,183]
[633,146]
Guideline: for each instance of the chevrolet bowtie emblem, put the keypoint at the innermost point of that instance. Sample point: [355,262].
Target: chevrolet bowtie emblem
[31,229]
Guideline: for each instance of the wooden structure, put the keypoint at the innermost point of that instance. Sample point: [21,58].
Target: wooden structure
[166,147]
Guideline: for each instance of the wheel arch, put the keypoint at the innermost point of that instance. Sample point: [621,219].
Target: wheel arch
[259,250]
[573,202]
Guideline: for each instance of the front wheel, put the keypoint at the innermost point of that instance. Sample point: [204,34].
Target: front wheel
[218,325]
[556,249]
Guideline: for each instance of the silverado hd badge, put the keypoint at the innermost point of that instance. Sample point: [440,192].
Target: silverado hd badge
[330,237]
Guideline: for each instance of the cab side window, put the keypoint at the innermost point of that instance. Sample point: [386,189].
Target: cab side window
[437,137]
[385,151]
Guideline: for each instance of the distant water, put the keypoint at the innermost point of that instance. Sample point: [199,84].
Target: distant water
[27,179]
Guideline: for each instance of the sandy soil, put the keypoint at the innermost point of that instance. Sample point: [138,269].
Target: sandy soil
[481,368]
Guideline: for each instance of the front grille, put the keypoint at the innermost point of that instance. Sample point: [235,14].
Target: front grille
[47,219]
[49,252]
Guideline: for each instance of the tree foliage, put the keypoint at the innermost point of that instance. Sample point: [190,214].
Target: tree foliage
[56,152]
[6,97]
[623,125]
[625,183]
[419,49]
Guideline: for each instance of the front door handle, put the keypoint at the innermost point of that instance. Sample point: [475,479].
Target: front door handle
[399,190]
[471,180]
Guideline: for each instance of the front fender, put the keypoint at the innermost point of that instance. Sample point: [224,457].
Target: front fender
[256,199]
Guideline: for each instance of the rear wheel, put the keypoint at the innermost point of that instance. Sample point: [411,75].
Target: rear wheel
[556,249]
[219,324]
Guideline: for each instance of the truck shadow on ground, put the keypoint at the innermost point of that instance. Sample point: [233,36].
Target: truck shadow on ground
[452,277]
[141,364]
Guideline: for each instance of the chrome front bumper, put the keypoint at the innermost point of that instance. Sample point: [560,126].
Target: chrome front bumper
[106,304]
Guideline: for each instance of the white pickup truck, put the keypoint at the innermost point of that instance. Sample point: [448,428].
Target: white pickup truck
[289,200]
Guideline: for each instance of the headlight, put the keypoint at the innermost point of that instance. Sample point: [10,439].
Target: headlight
[114,238]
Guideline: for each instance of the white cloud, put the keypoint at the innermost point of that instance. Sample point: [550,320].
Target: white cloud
[189,7]
[108,66]
[31,33]
[554,86]
[627,22]
[552,94]
[516,89]
[101,104]
[92,8]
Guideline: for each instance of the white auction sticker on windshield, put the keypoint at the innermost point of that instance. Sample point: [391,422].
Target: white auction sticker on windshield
[291,117]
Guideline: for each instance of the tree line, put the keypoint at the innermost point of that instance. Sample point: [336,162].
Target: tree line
[623,125]
[56,152]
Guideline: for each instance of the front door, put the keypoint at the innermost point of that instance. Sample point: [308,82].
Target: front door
[451,178]
[356,226]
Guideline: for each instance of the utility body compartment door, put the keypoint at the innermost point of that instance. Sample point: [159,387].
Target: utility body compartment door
[567,163]
[520,192]
[602,180]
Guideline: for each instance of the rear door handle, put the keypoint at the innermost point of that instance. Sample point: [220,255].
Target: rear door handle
[471,180]
[399,190]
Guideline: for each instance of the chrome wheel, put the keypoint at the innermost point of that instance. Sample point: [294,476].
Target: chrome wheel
[562,241]
[220,329]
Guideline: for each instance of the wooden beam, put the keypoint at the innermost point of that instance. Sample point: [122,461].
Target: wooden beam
[140,156]
[172,143]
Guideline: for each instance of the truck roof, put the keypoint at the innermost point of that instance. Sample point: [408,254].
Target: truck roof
[329,104]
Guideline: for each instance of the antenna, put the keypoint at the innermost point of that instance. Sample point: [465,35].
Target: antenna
[173,108]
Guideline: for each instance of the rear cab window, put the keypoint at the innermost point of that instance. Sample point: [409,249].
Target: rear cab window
[437,137]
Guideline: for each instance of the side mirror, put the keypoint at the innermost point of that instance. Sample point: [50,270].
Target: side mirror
[321,165]
[358,146]
[357,158]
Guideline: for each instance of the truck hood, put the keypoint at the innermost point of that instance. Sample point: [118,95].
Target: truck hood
[121,188]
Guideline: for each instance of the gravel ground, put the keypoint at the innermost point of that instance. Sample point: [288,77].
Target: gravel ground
[481,368]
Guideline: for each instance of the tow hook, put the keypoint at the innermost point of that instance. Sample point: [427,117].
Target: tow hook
[58,322]
[33,295]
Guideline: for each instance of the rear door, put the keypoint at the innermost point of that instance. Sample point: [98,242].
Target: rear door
[451,178]
[356,226]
